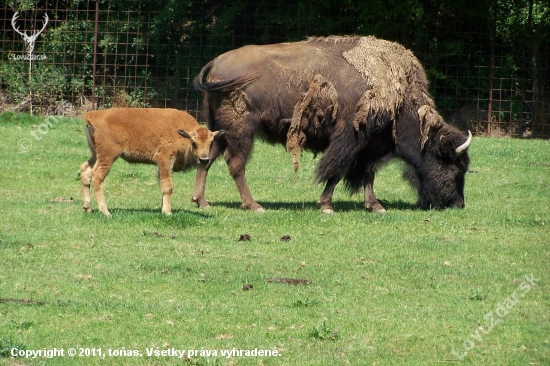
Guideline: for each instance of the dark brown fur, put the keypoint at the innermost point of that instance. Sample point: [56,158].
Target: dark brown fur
[359,100]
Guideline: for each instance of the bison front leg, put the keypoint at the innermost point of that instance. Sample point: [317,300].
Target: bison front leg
[200,183]
[202,173]
[326,197]
[166,185]
[371,203]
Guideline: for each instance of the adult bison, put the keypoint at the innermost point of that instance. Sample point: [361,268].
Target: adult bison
[360,100]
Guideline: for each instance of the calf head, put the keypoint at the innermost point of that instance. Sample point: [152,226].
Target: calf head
[201,143]
[439,176]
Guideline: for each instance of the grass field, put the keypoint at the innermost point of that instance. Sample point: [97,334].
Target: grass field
[407,287]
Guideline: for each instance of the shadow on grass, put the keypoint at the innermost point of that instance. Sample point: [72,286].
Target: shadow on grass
[179,218]
[13,242]
[338,206]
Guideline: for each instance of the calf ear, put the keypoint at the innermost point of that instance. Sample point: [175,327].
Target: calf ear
[184,134]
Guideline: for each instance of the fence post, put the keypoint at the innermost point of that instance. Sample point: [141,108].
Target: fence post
[492,69]
[95,53]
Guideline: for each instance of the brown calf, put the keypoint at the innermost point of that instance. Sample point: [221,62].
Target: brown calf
[171,139]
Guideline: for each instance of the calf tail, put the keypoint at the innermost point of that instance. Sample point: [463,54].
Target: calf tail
[223,86]
[90,133]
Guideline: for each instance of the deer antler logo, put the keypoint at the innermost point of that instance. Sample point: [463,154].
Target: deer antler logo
[29,40]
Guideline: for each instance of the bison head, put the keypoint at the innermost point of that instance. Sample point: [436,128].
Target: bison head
[201,143]
[439,175]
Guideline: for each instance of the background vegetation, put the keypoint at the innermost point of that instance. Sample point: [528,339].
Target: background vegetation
[402,288]
[149,51]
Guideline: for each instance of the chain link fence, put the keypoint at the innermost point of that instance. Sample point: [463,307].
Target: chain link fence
[100,54]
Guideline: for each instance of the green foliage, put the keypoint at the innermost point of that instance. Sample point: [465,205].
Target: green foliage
[6,345]
[324,332]
[477,295]
[151,51]
[307,302]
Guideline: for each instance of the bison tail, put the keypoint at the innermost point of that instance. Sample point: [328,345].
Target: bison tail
[223,86]
[197,83]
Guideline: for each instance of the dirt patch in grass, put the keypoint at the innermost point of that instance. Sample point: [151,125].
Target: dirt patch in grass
[244,237]
[289,281]
[62,200]
[21,301]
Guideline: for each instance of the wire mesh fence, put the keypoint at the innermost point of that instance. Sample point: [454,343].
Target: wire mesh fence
[99,54]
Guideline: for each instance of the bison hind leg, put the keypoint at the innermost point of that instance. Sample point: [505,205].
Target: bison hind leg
[371,203]
[236,156]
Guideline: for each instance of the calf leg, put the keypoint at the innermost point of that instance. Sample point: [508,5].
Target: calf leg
[325,201]
[371,203]
[166,185]
[86,180]
[99,172]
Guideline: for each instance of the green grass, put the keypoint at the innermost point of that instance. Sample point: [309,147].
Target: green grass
[403,288]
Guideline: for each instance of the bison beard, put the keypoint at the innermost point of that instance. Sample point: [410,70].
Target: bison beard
[360,100]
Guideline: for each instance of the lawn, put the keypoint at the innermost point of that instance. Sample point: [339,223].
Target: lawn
[408,287]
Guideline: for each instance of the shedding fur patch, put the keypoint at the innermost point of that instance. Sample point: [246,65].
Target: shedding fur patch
[236,108]
[315,107]
[429,119]
[384,66]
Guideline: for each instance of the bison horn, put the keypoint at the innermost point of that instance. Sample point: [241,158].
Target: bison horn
[459,150]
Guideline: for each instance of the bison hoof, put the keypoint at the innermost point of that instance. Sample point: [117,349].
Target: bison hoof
[328,211]
[253,207]
[375,208]
[201,202]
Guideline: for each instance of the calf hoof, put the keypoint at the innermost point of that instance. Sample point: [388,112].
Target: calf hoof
[106,213]
[87,209]
[167,213]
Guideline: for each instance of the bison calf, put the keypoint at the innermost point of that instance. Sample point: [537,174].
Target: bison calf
[171,139]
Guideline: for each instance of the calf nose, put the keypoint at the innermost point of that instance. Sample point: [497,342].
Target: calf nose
[204,161]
